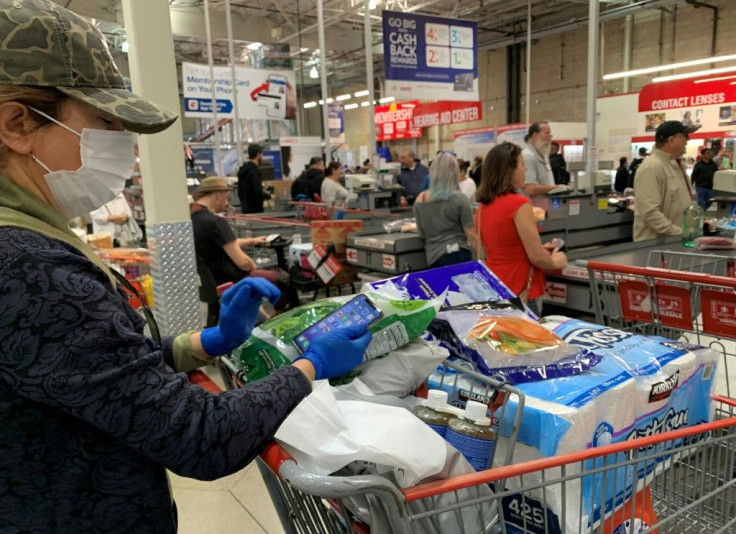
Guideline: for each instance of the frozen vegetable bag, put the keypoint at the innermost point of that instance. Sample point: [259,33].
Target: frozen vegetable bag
[270,346]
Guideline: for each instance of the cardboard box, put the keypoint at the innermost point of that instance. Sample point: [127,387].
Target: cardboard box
[323,232]
[280,187]
[329,269]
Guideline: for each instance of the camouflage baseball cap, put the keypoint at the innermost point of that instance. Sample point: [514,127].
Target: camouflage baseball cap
[45,45]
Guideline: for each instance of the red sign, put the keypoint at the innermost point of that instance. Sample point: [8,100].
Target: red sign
[686,94]
[673,305]
[352,255]
[719,312]
[389,262]
[446,112]
[636,302]
[395,121]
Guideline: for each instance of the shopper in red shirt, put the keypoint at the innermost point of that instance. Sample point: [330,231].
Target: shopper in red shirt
[507,230]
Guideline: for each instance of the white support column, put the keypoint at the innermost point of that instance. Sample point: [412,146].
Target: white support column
[323,78]
[168,226]
[529,62]
[237,125]
[368,38]
[628,28]
[592,92]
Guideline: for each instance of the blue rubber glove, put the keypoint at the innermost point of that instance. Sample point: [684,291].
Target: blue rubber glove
[338,352]
[238,313]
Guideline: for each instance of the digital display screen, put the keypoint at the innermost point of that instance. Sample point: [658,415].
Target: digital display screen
[358,311]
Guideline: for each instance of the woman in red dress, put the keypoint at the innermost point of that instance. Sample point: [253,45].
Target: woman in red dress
[507,229]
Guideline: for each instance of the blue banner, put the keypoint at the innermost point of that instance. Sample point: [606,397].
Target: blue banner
[430,58]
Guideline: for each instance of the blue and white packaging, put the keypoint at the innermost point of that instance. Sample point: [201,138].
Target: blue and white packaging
[464,283]
[643,386]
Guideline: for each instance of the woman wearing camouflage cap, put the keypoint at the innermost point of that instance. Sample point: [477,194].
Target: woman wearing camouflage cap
[92,410]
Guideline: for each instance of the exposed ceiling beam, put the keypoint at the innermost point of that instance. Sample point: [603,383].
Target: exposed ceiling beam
[611,14]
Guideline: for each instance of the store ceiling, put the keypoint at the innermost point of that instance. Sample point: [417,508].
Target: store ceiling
[500,22]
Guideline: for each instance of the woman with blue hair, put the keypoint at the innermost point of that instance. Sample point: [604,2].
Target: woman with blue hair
[443,214]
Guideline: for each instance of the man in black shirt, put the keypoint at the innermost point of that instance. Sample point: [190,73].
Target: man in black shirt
[558,164]
[221,252]
[309,182]
[250,182]
[622,176]
[635,165]
[702,178]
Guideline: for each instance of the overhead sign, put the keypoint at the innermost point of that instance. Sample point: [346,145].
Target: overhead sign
[262,94]
[442,113]
[394,121]
[704,102]
[336,123]
[430,58]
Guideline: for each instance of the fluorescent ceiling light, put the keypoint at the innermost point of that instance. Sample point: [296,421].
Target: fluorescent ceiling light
[321,102]
[310,105]
[693,74]
[254,46]
[682,64]
[365,104]
[351,106]
[124,47]
[340,98]
[364,92]
[329,101]
[313,73]
[372,4]
[718,79]
[386,99]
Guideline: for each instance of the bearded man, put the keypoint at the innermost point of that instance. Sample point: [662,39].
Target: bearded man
[540,179]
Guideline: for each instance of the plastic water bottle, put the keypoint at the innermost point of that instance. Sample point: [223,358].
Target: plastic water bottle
[692,224]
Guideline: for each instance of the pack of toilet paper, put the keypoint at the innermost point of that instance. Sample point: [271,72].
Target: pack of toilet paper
[643,386]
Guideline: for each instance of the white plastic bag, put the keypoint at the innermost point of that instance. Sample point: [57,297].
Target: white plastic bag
[325,434]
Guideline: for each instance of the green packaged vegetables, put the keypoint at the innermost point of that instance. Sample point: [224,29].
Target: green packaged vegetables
[270,346]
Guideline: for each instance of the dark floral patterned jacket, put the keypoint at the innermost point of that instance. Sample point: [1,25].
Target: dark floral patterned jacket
[91,413]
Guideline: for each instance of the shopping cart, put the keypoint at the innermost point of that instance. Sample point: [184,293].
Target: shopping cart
[677,482]
[135,265]
[695,305]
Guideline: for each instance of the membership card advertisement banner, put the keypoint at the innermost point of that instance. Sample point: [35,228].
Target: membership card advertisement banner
[395,121]
[430,58]
[262,94]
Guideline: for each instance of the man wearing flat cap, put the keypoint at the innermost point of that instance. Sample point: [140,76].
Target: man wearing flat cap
[217,247]
[662,188]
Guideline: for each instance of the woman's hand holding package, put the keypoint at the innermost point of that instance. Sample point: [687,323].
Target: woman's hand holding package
[338,352]
[238,314]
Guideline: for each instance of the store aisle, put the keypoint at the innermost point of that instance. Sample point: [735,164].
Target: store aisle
[238,503]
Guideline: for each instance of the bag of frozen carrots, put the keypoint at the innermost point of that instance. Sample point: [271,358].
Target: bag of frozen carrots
[501,339]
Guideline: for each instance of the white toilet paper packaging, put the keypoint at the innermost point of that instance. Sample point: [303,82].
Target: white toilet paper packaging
[643,386]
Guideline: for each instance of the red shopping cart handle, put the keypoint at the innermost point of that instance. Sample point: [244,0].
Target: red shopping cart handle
[204,381]
[222,288]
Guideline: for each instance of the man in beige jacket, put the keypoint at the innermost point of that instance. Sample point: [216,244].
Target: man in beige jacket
[662,188]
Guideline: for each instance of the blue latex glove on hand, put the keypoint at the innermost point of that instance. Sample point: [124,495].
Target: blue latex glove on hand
[239,308]
[338,352]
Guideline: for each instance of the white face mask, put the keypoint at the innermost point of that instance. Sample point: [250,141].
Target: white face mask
[108,158]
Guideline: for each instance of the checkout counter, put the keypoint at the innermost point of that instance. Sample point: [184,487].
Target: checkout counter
[724,189]
[570,289]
